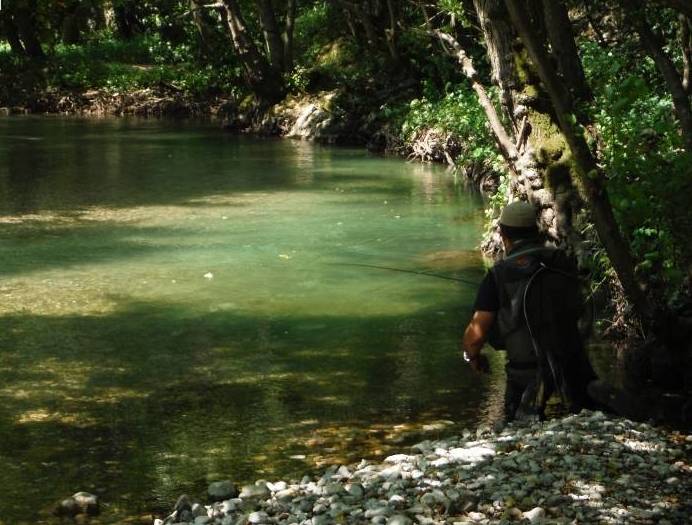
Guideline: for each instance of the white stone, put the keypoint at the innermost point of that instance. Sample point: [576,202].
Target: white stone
[277,487]
[399,458]
[399,519]
[471,454]
[258,517]
[534,515]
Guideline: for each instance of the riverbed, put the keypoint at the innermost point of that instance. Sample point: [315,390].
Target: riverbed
[181,305]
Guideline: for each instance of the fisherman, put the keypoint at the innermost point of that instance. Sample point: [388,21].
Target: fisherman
[529,304]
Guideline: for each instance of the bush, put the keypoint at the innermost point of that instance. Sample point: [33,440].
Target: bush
[650,177]
[456,112]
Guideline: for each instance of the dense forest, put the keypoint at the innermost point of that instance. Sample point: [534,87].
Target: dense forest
[581,107]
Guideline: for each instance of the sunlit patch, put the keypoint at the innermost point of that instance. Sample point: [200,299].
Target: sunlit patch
[584,491]
[637,445]
[34,416]
[333,400]
[44,416]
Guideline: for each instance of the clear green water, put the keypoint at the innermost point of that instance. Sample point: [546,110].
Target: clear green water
[175,309]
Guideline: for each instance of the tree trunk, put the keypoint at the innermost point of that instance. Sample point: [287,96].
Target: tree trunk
[199,17]
[564,48]
[654,48]
[272,36]
[72,24]
[498,34]
[126,21]
[686,45]
[540,169]
[12,35]
[288,34]
[264,81]
[590,176]
[391,32]
[360,12]
[26,27]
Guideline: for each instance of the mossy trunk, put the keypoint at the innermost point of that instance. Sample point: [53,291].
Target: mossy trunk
[541,171]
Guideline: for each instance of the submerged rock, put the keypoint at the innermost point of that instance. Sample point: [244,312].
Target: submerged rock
[78,503]
[222,490]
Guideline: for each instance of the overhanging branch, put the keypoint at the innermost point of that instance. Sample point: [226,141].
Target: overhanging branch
[505,143]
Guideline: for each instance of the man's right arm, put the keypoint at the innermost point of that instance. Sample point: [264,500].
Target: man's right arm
[476,334]
[485,310]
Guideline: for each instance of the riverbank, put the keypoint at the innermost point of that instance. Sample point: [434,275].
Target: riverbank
[336,117]
[586,468]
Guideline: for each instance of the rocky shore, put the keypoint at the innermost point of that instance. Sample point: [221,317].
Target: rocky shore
[586,468]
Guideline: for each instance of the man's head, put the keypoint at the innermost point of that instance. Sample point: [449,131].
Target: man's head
[518,221]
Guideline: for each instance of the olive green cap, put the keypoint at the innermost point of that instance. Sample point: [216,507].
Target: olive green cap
[518,214]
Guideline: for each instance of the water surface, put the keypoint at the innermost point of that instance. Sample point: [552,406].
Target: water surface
[178,306]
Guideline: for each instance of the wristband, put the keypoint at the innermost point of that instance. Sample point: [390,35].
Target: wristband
[468,358]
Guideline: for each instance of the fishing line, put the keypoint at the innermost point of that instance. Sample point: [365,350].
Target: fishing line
[414,272]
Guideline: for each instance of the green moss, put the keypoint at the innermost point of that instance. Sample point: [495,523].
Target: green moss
[547,140]
[523,66]
[529,94]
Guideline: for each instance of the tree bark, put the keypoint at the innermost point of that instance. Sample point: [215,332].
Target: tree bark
[25,21]
[359,12]
[564,48]
[391,33]
[288,34]
[12,35]
[654,48]
[126,20]
[590,176]
[272,36]
[264,81]
[498,34]
[686,45]
[201,23]
[73,23]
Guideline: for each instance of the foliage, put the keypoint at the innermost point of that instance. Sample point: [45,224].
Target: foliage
[642,151]
[457,111]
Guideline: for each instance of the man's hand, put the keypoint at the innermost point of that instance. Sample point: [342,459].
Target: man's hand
[480,364]
[474,338]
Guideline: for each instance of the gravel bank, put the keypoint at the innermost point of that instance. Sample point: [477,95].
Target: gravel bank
[587,468]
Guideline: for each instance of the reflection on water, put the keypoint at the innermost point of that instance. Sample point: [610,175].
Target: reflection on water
[177,307]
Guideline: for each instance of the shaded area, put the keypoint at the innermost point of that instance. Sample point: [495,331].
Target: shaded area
[130,162]
[111,404]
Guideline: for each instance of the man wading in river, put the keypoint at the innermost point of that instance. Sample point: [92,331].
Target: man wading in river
[529,304]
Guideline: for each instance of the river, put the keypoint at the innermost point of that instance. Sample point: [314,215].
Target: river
[181,305]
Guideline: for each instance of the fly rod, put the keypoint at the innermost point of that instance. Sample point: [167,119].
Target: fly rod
[415,272]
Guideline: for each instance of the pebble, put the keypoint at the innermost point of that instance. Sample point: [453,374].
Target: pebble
[534,515]
[258,517]
[587,468]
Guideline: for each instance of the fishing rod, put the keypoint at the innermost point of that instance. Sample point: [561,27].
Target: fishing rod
[415,272]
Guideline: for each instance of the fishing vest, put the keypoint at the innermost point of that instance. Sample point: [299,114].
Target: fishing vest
[513,275]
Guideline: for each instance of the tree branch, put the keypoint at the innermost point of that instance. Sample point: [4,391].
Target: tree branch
[505,143]
[654,48]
